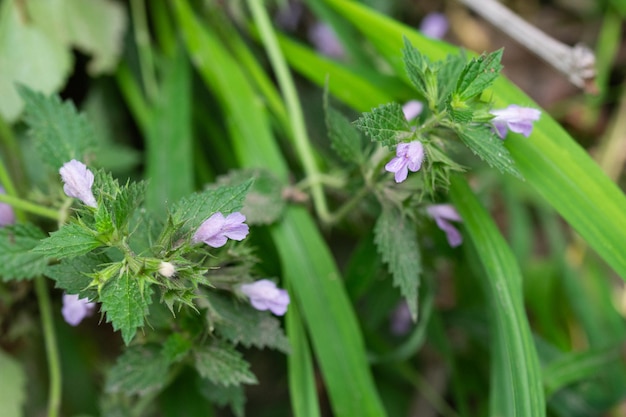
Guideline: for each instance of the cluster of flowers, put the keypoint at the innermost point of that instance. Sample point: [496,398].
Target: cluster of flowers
[214,232]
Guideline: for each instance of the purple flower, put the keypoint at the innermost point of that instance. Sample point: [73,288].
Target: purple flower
[516,119]
[78,181]
[324,38]
[412,109]
[7,215]
[443,213]
[76,309]
[264,295]
[434,25]
[217,229]
[409,157]
[401,320]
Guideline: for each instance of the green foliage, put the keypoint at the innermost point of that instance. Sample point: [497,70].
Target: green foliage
[125,301]
[71,240]
[478,75]
[344,138]
[231,395]
[176,347]
[126,202]
[17,261]
[12,387]
[484,143]
[241,324]
[72,274]
[396,241]
[139,370]
[61,133]
[385,124]
[223,365]
[421,72]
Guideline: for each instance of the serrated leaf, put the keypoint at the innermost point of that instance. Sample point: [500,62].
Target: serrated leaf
[198,207]
[345,140]
[484,143]
[223,365]
[264,202]
[396,241]
[71,240]
[385,124]
[127,200]
[477,75]
[241,324]
[126,304]
[232,395]
[448,73]
[139,370]
[60,132]
[17,261]
[419,69]
[71,274]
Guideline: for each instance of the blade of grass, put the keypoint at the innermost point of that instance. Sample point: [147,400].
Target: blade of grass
[307,265]
[517,388]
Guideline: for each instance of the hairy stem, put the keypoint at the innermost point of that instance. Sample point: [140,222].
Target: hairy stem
[24,205]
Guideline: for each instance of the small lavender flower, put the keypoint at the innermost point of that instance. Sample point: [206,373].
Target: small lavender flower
[78,182]
[412,109]
[442,214]
[409,157]
[76,309]
[516,119]
[401,320]
[217,229]
[264,295]
[7,215]
[325,40]
[434,25]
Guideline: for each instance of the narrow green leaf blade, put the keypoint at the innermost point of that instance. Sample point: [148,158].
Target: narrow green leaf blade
[396,241]
[516,375]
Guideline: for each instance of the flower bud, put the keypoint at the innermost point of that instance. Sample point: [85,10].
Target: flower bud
[7,215]
[78,182]
[167,269]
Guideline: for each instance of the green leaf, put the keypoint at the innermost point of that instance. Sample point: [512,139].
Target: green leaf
[17,261]
[60,132]
[71,274]
[127,200]
[125,303]
[264,202]
[71,240]
[484,143]
[448,74]
[198,207]
[139,370]
[231,395]
[516,383]
[421,72]
[12,387]
[478,75]
[223,365]
[396,241]
[176,347]
[385,124]
[241,324]
[344,138]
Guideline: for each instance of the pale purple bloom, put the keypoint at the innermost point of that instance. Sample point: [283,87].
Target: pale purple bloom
[401,320]
[76,309]
[443,214]
[325,40]
[434,25]
[7,215]
[412,109]
[264,295]
[409,157]
[516,119]
[167,269]
[78,182]
[217,229]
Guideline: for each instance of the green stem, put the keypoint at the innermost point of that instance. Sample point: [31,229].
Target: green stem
[279,64]
[142,40]
[52,352]
[24,205]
